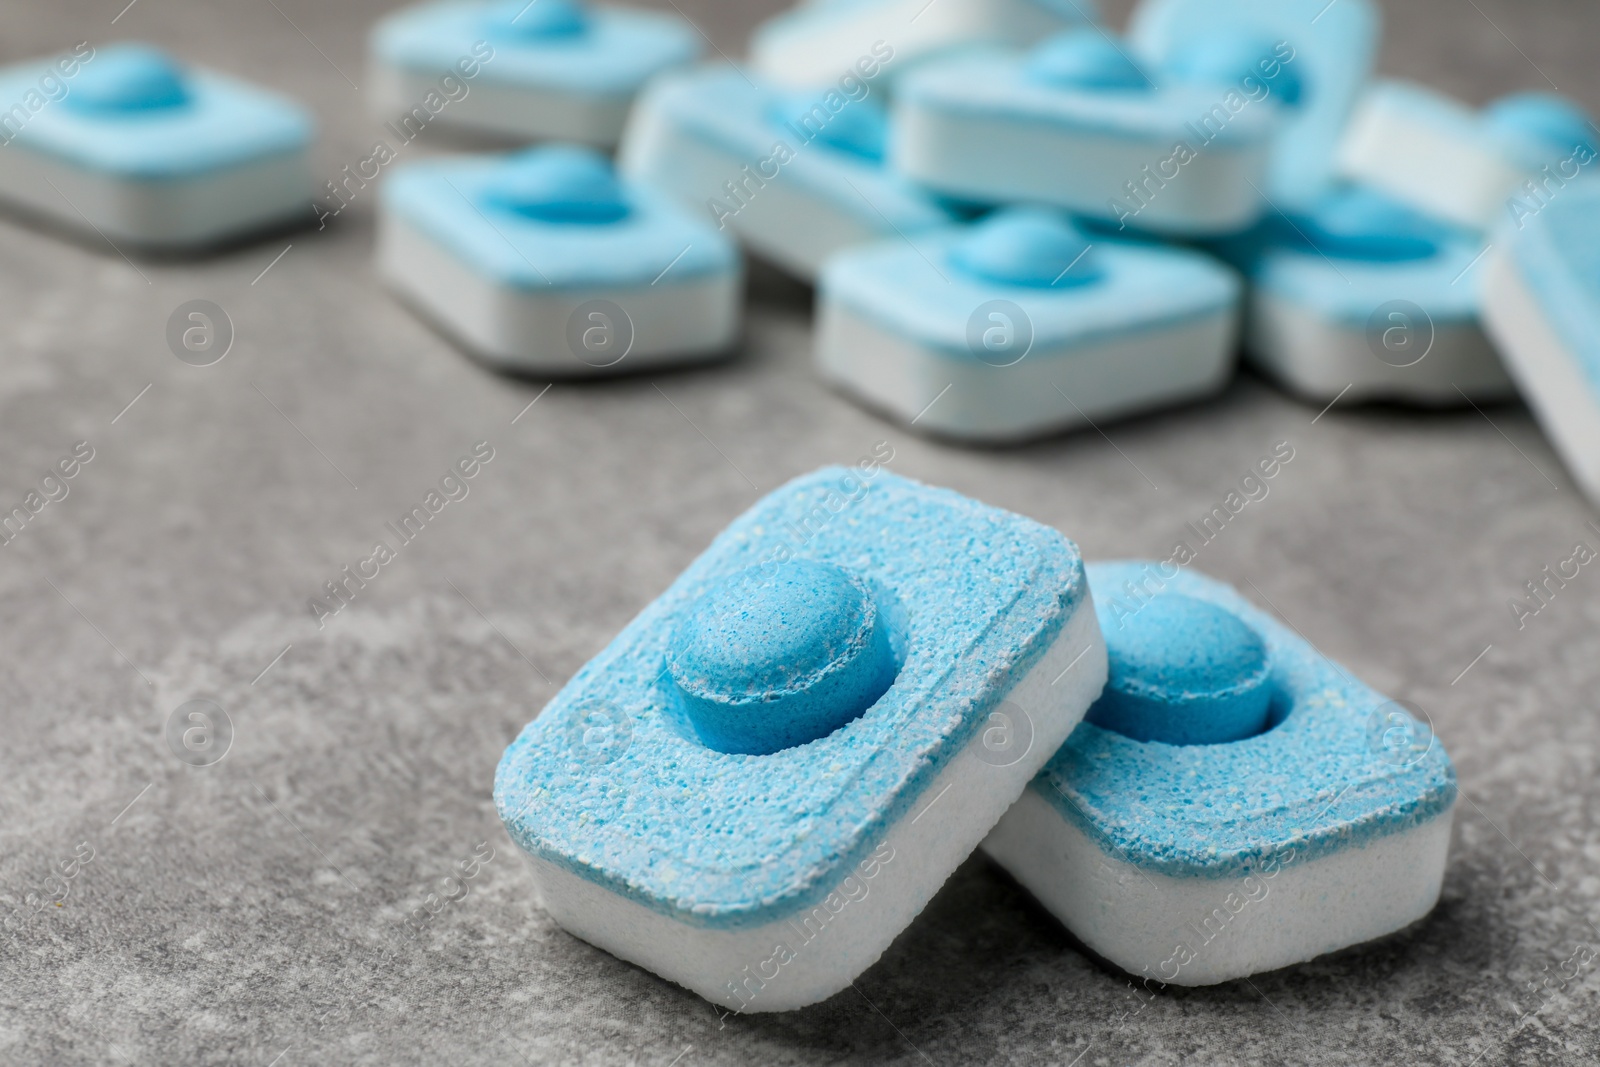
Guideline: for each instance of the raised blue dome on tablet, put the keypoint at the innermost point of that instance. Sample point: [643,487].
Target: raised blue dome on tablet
[1228,59]
[1318,781]
[536,20]
[780,654]
[1027,246]
[860,128]
[559,183]
[1550,119]
[1085,59]
[1356,222]
[1183,672]
[129,79]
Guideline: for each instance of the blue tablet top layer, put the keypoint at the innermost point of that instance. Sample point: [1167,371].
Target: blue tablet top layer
[832,145]
[1326,773]
[553,216]
[1333,48]
[1353,249]
[131,111]
[1183,672]
[1557,257]
[1071,291]
[612,781]
[1080,82]
[555,45]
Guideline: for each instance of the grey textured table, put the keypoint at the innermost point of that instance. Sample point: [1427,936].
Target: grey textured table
[236,913]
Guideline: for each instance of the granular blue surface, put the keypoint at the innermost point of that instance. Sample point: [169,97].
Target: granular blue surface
[1325,776]
[780,654]
[1184,672]
[611,783]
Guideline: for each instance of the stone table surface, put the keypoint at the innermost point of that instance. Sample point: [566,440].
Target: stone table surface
[237,913]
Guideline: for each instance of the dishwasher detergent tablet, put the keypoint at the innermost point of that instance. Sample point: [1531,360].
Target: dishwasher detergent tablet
[1235,802]
[1021,326]
[1362,296]
[147,152]
[1079,123]
[766,776]
[542,261]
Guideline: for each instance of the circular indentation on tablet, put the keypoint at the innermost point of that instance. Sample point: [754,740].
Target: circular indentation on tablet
[1027,246]
[1355,222]
[1085,59]
[535,20]
[599,333]
[1553,122]
[560,184]
[859,127]
[780,654]
[1006,736]
[1183,672]
[1400,333]
[1400,732]
[199,732]
[597,732]
[1242,61]
[129,79]
[199,332]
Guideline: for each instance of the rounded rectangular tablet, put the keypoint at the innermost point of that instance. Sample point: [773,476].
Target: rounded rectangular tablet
[1359,296]
[145,151]
[1022,326]
[543,261]
[1078,123]
[1235,802]
[668,828]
